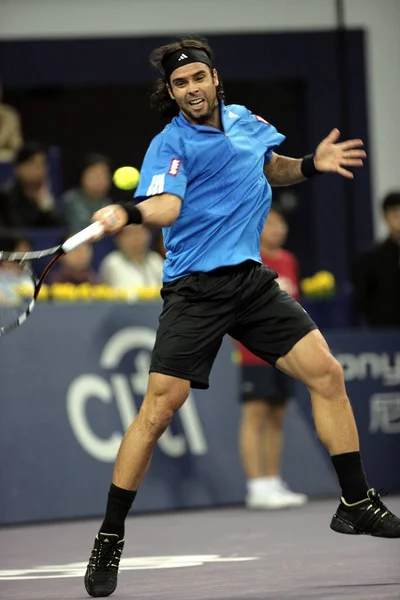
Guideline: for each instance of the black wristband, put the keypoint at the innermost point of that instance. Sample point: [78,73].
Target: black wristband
[307,166]
[135,217]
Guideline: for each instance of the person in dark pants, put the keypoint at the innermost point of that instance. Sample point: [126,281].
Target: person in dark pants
[377,273]
[206,180]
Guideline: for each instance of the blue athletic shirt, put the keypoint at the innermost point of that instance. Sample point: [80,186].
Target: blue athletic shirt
[219,177]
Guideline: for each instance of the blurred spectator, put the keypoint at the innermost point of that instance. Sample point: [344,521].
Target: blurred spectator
[132,264]
[377,273]
[26,201]
[265,391]
[79,204]
[75,267]
[10,130]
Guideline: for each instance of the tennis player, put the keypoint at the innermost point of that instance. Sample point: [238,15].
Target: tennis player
[206,180]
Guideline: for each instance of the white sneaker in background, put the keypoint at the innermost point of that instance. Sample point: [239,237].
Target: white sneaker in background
[294,498]
[270,493]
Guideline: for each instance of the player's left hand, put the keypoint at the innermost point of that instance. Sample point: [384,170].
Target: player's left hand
[334,157]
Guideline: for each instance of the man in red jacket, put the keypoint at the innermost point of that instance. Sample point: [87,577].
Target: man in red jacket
[265,390]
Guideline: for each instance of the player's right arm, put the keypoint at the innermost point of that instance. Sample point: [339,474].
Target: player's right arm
[157,211]
[161,210]
[161,189]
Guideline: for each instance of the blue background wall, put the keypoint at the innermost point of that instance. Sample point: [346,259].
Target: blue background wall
[63,415]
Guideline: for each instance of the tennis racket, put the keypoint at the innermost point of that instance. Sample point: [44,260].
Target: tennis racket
[20,285]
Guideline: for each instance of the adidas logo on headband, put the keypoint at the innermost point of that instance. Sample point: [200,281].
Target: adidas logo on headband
[177,58]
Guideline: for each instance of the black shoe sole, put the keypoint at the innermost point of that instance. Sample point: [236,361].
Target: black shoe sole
[342,526]
[90,588]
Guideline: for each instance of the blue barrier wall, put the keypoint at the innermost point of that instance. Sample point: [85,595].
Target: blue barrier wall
[73,377]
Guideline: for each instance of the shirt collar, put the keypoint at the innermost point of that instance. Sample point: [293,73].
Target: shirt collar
[226,121]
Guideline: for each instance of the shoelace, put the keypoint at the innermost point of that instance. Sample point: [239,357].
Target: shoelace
[380,508]
[105,556]
[376,498]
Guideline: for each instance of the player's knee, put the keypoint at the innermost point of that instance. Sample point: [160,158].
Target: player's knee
[329,381]
[155,415]
[161,402]
[157,421]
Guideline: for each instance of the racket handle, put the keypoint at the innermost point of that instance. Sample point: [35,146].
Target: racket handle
[86,235]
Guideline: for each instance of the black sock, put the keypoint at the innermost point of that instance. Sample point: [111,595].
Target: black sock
[352,479]
[118,505]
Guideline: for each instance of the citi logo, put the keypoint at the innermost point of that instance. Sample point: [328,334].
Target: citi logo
[182,57]
[122,388]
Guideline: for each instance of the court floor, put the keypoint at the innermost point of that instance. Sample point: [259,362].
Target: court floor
[223,554]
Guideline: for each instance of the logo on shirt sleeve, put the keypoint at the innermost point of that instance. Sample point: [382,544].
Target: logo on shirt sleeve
[174,166]
[156,185]
[261,119]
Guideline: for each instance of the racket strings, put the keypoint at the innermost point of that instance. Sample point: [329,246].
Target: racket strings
[17,290]
[19,287]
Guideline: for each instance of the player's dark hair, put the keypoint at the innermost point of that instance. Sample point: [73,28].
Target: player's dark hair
[391,200]
[160,99]
[29,150]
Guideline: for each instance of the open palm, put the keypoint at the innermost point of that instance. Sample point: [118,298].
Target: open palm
[332,156]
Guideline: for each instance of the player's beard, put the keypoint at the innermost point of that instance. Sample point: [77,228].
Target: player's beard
[205,115]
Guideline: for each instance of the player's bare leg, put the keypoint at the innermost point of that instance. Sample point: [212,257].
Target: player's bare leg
[311,362]
[164,396]
[361,510]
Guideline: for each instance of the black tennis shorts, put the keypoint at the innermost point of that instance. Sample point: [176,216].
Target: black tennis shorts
[261,382]
[243,301]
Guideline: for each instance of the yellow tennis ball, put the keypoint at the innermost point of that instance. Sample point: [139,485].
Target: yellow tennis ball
[126,178]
